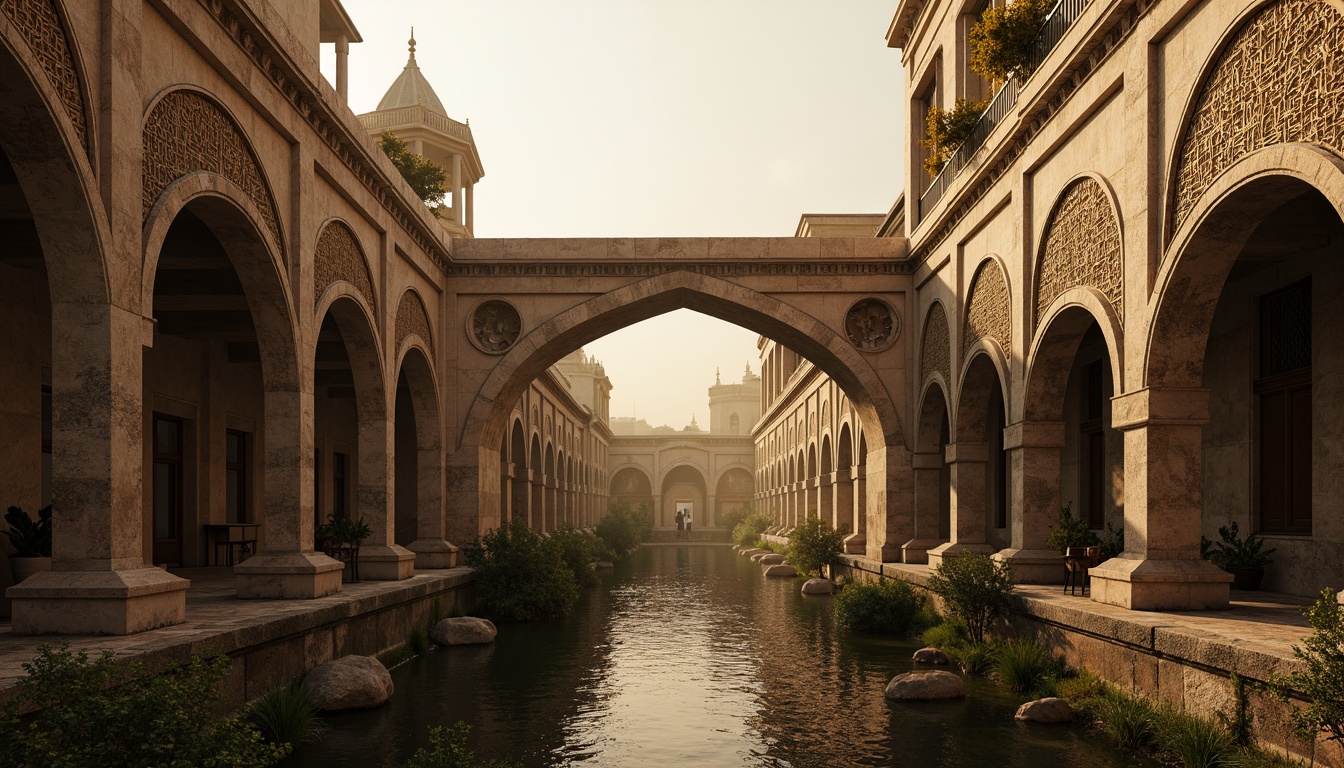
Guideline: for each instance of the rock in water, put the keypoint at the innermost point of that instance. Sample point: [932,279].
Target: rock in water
[928,684]
[463,630]
[1051,710]
[780,571]
[350,682]
[930,656]
[771,559]
[818,587]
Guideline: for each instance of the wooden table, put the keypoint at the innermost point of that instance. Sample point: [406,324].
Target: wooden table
[240,536]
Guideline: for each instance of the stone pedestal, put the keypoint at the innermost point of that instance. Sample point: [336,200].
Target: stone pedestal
[434,553]
[916,551]
[288,575]
[1033,566]
[98,602]
[386,562]
[954,549]
[1161,585]
[856,544]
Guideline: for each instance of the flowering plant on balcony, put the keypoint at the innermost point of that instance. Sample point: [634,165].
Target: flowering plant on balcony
[945,130]
[1003,41]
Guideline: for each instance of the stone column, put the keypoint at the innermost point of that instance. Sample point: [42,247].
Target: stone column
[380,558]
[505,492]
[848,512]
[342,67]
[825,493]
[99,582]
[457,189]
[536,514]
[928,468]
[1034,500]
[1160,568]
[968,502]
[550,514]
[522,496]
[471,207]
[708,517]
[431,546]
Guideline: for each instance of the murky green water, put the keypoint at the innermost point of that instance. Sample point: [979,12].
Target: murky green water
[686,656]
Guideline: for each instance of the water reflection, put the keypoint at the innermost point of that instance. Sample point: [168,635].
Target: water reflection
[687,656]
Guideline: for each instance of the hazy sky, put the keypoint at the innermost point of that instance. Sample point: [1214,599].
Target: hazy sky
[602,118]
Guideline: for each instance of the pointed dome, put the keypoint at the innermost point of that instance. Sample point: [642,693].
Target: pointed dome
[412,88]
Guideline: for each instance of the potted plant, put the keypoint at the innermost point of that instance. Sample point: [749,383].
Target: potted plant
[31,540]
[1245,558]
[1071,532]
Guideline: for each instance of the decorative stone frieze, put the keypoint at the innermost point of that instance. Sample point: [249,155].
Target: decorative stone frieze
[1082,247]
[936,346]
[872,325]
[40,24]
[988,310]
[494,325]
[338,257]
[1279,80]
[650,269]
[186,132]
[412,318]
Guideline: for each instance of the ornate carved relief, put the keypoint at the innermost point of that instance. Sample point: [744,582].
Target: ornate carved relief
[871,325]
[936,346]
[552,268]
[339,257]
[40,24]
[494,325]
[1082,247]
[185,133]
[989,313]
[412,318]
[1279,80]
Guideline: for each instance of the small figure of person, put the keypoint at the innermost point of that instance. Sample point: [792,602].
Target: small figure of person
[688,519]
[681,519]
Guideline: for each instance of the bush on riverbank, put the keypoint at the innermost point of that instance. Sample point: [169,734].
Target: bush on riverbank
[976,589]
[88,713]
[813,545]
[624,528]
[520,576]
[448,749]
[1026,665]
[286,715]
[749,529]
[578,549]
[889,606]
[1322,682]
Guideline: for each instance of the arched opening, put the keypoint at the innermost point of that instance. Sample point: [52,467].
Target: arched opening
[419,464]
[548,519]
[933,477]
[684,489]
[536,517]
[826,488]
[733,490]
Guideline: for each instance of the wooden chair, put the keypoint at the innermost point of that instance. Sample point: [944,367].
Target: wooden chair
[1077,561]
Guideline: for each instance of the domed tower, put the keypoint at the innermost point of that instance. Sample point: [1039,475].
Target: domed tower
[735,408]
[412,110]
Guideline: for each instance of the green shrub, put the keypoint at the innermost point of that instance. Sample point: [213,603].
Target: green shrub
[1026,665]
[946,637]
[813,545]
[1084,691]
[286,715]
[1194,742]
[448,749]
[1131,723]
[624,528]
[976,589]
[730,519]
[1232,551]
[947,129]
[577,550]
[973,658]
[888,606]
[750,528]
[1071,532]
[87,714]
[1003,42]
[1322,682]
[425,176]
[520,576]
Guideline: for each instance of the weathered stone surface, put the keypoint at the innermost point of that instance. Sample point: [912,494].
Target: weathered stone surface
[350,682]
[930,656]
[780,571]
[756,558]
[771,559]
[463,630]
[929,684]
[1049,710]
[818,587]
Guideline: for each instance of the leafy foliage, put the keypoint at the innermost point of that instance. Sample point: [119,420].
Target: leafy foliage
[87,715]
[29,537]
[945,130]
[1071,532]
[973,658]
[1195,742]
[520,576]
[347,530]
[1322,682]
[1114,543]
[1026,665]
[624,527]
[577,549]
[287,715]
[889,606]
[1129,722]
[748,531]
[976,589]
[1003,41]
[813,545]
[947,636]
[1232,551]
[730,519]
[448,749]
[425,176]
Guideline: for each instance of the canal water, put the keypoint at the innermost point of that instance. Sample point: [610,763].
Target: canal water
[687,656]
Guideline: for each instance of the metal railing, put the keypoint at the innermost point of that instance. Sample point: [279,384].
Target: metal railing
[1057,22]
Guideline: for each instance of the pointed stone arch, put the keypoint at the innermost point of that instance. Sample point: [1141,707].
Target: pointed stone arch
[339,257]
[935,348]
[413,320]
[988,308]
[1081,246]
[42,26]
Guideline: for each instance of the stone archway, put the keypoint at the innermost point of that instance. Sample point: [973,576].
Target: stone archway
[933,476]
[419,456]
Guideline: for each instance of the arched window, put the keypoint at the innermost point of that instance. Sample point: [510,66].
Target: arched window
[734,424]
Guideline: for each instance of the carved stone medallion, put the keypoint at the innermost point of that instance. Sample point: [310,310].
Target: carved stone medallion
[494,326]
[871,325]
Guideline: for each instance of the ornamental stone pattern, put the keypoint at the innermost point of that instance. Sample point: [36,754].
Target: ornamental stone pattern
[935,350]
[989,310]
[186,133]
[1280,80]
[338,258]
[1082,247]
[412,318]
[495,326]
[871,325]
[40,24]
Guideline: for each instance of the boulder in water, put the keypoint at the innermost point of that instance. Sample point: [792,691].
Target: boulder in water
[463,630]
[350,682]
[927,684]
[818,587]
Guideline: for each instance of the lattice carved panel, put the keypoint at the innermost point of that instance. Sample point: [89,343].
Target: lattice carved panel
[1082,247]
[936,347]
[339,257]
[1279,80]
[40,24]
[989,310]
[186,133]
[412,318]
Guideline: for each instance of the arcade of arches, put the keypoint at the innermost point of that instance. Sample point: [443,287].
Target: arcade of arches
[226,318]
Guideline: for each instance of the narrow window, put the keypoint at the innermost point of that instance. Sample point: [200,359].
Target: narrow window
[167,489]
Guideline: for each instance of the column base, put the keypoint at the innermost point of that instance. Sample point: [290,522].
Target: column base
[98,602]
[1033,566]
[288,575]
[952,549]
[1161,585]
[916,551]
[434,553]
[856,544]
[388,562]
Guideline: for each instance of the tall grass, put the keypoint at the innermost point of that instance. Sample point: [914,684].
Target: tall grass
[1026,665]
[1194,742]
[286,715]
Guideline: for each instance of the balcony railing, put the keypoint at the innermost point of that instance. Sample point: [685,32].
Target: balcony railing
[1057,22]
